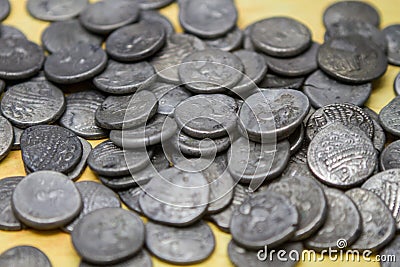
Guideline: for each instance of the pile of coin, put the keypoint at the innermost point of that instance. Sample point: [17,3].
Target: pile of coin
[262,132]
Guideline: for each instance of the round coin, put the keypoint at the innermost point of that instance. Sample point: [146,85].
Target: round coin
[392,250]
[7,31]
[151,16]
[6,137]
[390,157]
[388,117]
[142,259]
[5,9]
[202,147]
[229,42]
[8,222]
[392,36]
[24,256]
[54,10]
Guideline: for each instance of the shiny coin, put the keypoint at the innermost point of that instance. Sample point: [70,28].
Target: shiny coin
[389,115]
[390,157]
[131,197]
[17,138]
[24,256]
[46,200]
[208,19]
[151,17]
[53,10]
[229,42]
[392,36]
[4,9]
[80,168]
[202,147]
[8,222]
[296,139]
[119,78]
[273,81]
[379,139]
[6,137]
[141,259]
[393,250]
[154,4]
[91,236]
[342,226]
[7,31]
[192,244]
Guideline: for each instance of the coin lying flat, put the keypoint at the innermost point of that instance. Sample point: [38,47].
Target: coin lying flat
[7,31]
[8,222]
[109,235]
[4,9]
[388,117]
[151,16]
[202,147]
[6,137]
[280,82]
[24,256]
[54,10]
[192,244]
[141,259]
[153,4]
[229,42]
[389,158]
[379,139]
[46,200]
[80,168]
[342,226]
[208,18]
[391,250]
[392,36]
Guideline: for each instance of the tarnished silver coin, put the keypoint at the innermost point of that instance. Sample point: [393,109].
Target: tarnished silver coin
[17,138]
[342,156]
[247,42]
[210,71]
[389,117]
[229,42]
[109,235]
[396,84]
[30,58]
[392,250]
[142,259]
[5,9]
[24,256]
[128,111]
[7,31]
[64,35]
[95,196]
[6,137]
[131,197]
[281,36]
[192,244]
[202,147]
[300,156]
[379,139]
[207,116]
[8,222]
[153,4]
[121,79]
[106,16]
[390,157]
[323,90]
[80,168]
[2,86]
[54,10]
[46,200]
[296,139]
[208,18]
[151,16]
[392,36]
[274,81]
[136,42]
[378,224]
[342,227]
[176,48]
[253,224]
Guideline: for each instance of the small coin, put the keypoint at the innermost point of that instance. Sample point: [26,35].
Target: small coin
[141,259]
[208,19]
[247,43]
[8,222]
[5,9]
[80,63]
[154,4]
[390,157]
[273,81]
[210,71]
[2,86]
[229,42]
[7,31]
[17,138]
[96,235]
[80,168]
[379,226]
[136,42]
[379,139]
[300,157]
[196,238]
[6,137]
[46,200]
[30,58]
[388,117]
[343,223]
[131,197]
[106,16]
[202,147]
[396,84]
[54,10]
[151,16]
[24,256]
[120,79]
[391,250]
[392,36]
[296,139]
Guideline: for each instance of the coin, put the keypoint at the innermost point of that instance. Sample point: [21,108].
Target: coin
[342,227]
[388,117]
[273,81]
[4,9]
[192,244]
[392,36]
[7,31]
[202,147]
[397,84]
[24,256]
[106,16]
[229,42]
[389,158]
[2,86]
[300,156]
[136,42]
[296,139]
[392,250]
[17,138]
[379,226]
[54,10]
[208,19]
[131,197]
[8,222]
[153,4]
[247,43]
[46,200]
[151,16]
[6,137]
[379,139]
[96,235]
[80,168]
[141,259]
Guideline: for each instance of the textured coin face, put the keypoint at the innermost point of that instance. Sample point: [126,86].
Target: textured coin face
[105,16]
[46,200]
[192,244]
[64,35]
[176,48]
[210,71]
[108,236]
[379,139]
[24,256]
[136,42]
[141,259]
[253,223]
[205,116]
[392,36]
[323,90]
[7,31]
[119,78]
[392,249]
[379,226]
[390,157]
[341,156]
[281,36]
[54,10]
[229,42]
[151,16]
[153,4]
[388,117]
[80,168]
[280,82]
[30,58]
[4,9]
[352,59]
[342,226]
[207,18]
[6,137]
[198,147]
[8,222]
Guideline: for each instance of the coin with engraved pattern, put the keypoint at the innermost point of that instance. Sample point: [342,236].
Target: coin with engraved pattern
[389,117]
[390,157]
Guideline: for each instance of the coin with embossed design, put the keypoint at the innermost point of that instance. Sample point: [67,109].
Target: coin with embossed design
[389,117]
[6,137]
[24,256]
[390,157]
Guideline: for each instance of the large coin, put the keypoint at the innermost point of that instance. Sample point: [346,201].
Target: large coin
[8,221]
[6,137]
[24,256]
[53,10]
[389,117]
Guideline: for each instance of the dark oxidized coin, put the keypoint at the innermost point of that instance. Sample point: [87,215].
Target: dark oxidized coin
[229,42]
[151,16]
[280,82]
[379,139]
[141,259]
[392,35]
[389,117]
[17,138]
[7,31]
[53,10]
[131,197]
[390,157]
[4,9]
[392,250]
[24,256]
[6,137]
[80,168]
[8,221]
[153,4]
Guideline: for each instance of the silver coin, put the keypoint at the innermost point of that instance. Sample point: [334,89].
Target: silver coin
[253,224]
[208,18]
[247,42]
[80,168]
[131,197]
[388,117]
[342,227]
[210,71]
[94,197]
[120,79]
[141,259]
[151,16]
[46,200]
[202,147]
[341,156]
[2,86]
[379,139]
[128,111]
[136,42]
[207,116]
[6,137]
[296,139]
[390,157]
[378,224]
[108,236]
[8,222]
[7,31]
[17,138]
[323,90]
[300,156]
[229,42]
[392,36]
[5,9]
[64,35]
[160,203]
[273,81]
[106,16]
[176,48]
[396,84]
[153,4]
[392,250]
[54,10]
[24,256]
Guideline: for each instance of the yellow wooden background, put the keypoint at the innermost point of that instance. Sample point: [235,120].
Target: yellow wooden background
[57,245]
